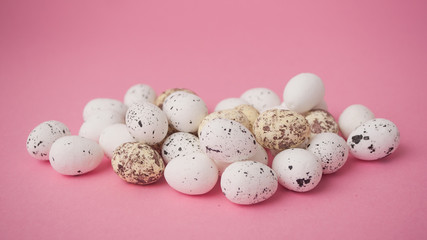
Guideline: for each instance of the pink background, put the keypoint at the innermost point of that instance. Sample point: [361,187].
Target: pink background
[55,56]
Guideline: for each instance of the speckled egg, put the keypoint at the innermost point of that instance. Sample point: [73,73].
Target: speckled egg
[230,114]
[229,103]
[147,123]
[374,139]
[94,125]
[250,112]
[137,163]
[42,137]
[139,93]
[261,98]
[281,129]
[331,149]
[248,182]
[75,155]
[321,121]
[303,92]
[180,144]
[298,169]
[113,136]
[161,98]
[352,117]
[192,174]
[185,111]
[227,141]
[101,105]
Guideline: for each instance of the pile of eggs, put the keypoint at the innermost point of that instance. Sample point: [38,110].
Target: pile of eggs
[147,137]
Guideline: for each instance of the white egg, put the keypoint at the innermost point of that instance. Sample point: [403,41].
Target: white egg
[185,111]
[43,136]
[261,98]
[147,123]
[103,104]
[322,105]
[374,139]
[248,182]
[75,155]
[352,117]
[113,136]
[280,107]
[331,149]
[139,93]
[303,92]
[227,141]
[298,169]
[229,103]
[180,144]
[192,174]
[97,122]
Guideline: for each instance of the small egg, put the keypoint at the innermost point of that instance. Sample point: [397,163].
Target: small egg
[230,114]
[303,92]
[180,144]
[227,141]
[321,121]
[331,149]
[192,174]
[278,107]
[97,122]
[298,169]
[250,112]
[281,129]
[147,123]
[103,104]
[75,155]
[161,98]
[229,103]
[248,182]
[42,137]
[113,136]
[185,111]
[261,98]
[374,139]
[139,93]
[352,117]
[137,163]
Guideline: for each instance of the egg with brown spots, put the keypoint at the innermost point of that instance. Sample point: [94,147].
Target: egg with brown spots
[231,114]
[250,112]
[321,121]
[137,163]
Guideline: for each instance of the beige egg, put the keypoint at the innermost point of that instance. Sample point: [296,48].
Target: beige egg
[161,98]
[137,163]
[280,129]
[230,114]
[250,112]
[321,121]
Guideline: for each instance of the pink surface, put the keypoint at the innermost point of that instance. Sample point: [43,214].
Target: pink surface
[55,56]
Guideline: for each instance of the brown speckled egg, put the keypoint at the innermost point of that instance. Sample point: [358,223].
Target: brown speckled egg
[161,98]
[250,112]
[137,163]
[230,114]
[321,121]
[280,129]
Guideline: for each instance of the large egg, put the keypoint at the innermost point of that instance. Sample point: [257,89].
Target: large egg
[303,92]
[180,144]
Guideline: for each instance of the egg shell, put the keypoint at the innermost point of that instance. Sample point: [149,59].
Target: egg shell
[281,129]
[229,103]
[261,98]
[321,121]
[103,104]
[250,112]
[113,136]
[321,105]
[303,92]
[147,123]
[193,174]
[298,169]
[139,93]
[230,114]
[374,139]
[75,155]
[137,163]
[278,107]
[42,137]
[352,117]
[248,182]
[97,122]
[180,144]
[227,141]
[331,149]
[161,98]
[185,111]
